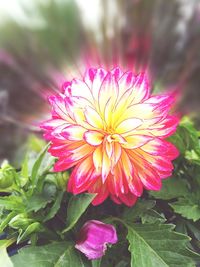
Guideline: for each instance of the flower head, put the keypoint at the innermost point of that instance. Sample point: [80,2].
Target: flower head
[94,237]
[112,130]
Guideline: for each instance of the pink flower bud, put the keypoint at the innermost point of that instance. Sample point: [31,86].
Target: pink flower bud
[94,237]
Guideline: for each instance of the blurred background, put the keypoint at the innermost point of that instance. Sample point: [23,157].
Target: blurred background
[45,42]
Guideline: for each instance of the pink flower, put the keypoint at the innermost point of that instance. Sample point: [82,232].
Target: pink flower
[93,238]
[112,131]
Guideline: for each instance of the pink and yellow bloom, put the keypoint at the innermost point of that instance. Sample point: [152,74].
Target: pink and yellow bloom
[112,131]
[94,237]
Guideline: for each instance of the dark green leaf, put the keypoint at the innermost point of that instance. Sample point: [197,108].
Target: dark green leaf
[37,202]
[171,188]
[186,136]
[5,221]
[138,209]
[158,245]
[194,229]
[60,254]
[55,207]
[37,164]
[152,216]
[32,228]
[188,207]
[76,207]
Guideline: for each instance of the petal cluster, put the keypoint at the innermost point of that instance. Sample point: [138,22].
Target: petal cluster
[94,237]
[112,131]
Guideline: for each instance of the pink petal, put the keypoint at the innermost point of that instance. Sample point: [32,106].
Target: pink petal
[128,199]
[89,76]
[82,176]
[58,107]
[117,72]
[150,179]
[63,164]
[53,123]
[102,194]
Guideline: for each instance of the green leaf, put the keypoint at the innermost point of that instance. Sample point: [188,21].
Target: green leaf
[96,263]
[181,227]
[37,202]
[194,229]
[5,221]
[49,190]
[76,207]
[36,144]
[171,188]
[55,207]
[188,207]
[20,221]
[7,176]
[157,245]
[37,164]
[24,174]
[192,156]
[130,214]
[186,136]
[60,254]
[32,228]
[152,216]
[12,203]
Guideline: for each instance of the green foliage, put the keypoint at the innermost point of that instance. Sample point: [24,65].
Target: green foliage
[7,175]
[158,245]
[171,188]
[36,166]
[141,209]
[186,137]
[60,254]
[76,207]
[162,228]
[31,199]
[188,207]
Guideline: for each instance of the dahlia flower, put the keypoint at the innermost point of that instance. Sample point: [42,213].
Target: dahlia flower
[94,237]
[112,131]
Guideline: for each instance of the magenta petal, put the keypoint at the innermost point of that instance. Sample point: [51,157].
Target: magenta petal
[94,237]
